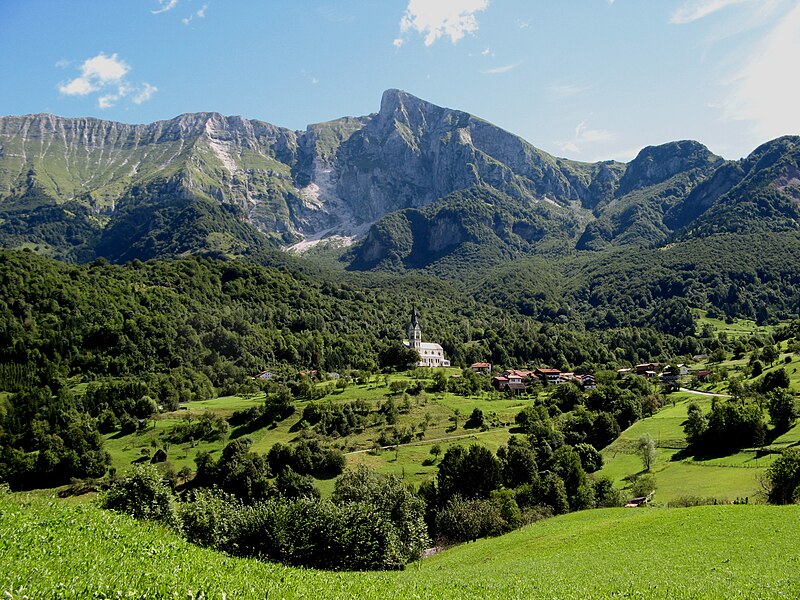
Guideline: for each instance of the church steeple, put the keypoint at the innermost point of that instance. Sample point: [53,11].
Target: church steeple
[414,330]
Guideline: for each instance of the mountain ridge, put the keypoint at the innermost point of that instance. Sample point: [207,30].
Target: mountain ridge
[68,183]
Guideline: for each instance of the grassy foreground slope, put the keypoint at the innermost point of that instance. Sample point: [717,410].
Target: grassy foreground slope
[51,549]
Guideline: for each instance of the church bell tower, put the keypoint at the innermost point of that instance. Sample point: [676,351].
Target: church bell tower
[414,331]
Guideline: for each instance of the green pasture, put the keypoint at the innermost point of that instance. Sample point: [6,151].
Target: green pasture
[724,478]
[430,418]
[53,549]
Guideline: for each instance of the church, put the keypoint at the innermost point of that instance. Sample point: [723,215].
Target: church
[430,354]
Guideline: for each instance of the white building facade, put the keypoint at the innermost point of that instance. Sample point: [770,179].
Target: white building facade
[430,354]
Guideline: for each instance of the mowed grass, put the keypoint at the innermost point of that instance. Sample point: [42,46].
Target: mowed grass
[725,478]
[51,549]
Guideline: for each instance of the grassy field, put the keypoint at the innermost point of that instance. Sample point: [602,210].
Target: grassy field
[738,328]
[725,478]
[52,549]
[431,418]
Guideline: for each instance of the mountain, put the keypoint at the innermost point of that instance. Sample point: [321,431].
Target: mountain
[414,184]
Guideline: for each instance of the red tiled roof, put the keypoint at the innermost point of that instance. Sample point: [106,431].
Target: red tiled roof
[480,365]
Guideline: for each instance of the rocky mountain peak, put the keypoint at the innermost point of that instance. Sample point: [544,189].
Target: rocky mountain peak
[655,164]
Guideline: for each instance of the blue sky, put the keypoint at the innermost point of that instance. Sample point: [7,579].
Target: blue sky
[584,79]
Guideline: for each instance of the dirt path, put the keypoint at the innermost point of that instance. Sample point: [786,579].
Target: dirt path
[699,393]
[429,441]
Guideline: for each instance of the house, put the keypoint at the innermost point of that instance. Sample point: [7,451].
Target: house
[703,375]
[588,381]
[481,367]
[623,372]
[515,383]
[565,377]
[684,370]
[430,354]
[548,375]
[645,368]
[500,382]
[667,376]
[265,375]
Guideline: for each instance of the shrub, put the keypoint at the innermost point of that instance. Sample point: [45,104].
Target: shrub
[783,478]
[144,495]
[209,518]
[462,520]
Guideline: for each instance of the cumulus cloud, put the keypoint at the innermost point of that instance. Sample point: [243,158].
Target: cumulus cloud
[765,90]
[693,10]
[164,6]
[584,136]
[105,75]
[440,18]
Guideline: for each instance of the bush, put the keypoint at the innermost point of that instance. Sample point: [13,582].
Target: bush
[144,495]
[209,518]
[320,535]
[689,500]
[462,520]
[605,494]
[389,497]
[782,480]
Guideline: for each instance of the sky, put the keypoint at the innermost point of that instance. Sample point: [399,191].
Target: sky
[583,79]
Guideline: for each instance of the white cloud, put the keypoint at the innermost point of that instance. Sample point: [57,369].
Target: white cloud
[199,14]
[697,9]
[485,52]
[106,75]
[107,101]
[559,91]
[77,87]
[441,18]
[96,72]
[104,68]
[585,136]
[765,89]
[499,70]
[144,94]
[523,24]
[164,6]
[398,42]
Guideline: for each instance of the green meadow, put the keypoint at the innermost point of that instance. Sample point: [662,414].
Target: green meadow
[55,549]
[724,478]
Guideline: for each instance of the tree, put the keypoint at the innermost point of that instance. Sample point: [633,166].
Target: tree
[695,425]
[775,380]
[476,420]
[518,462]
[782,409]
[292,485]
[756,368]
[567,396]
[769,354]
[646,449]
[782,480]
[567,465]
[591,459]
[470,473]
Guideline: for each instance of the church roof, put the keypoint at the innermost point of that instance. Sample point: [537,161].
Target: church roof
[429,346]
[414,317]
